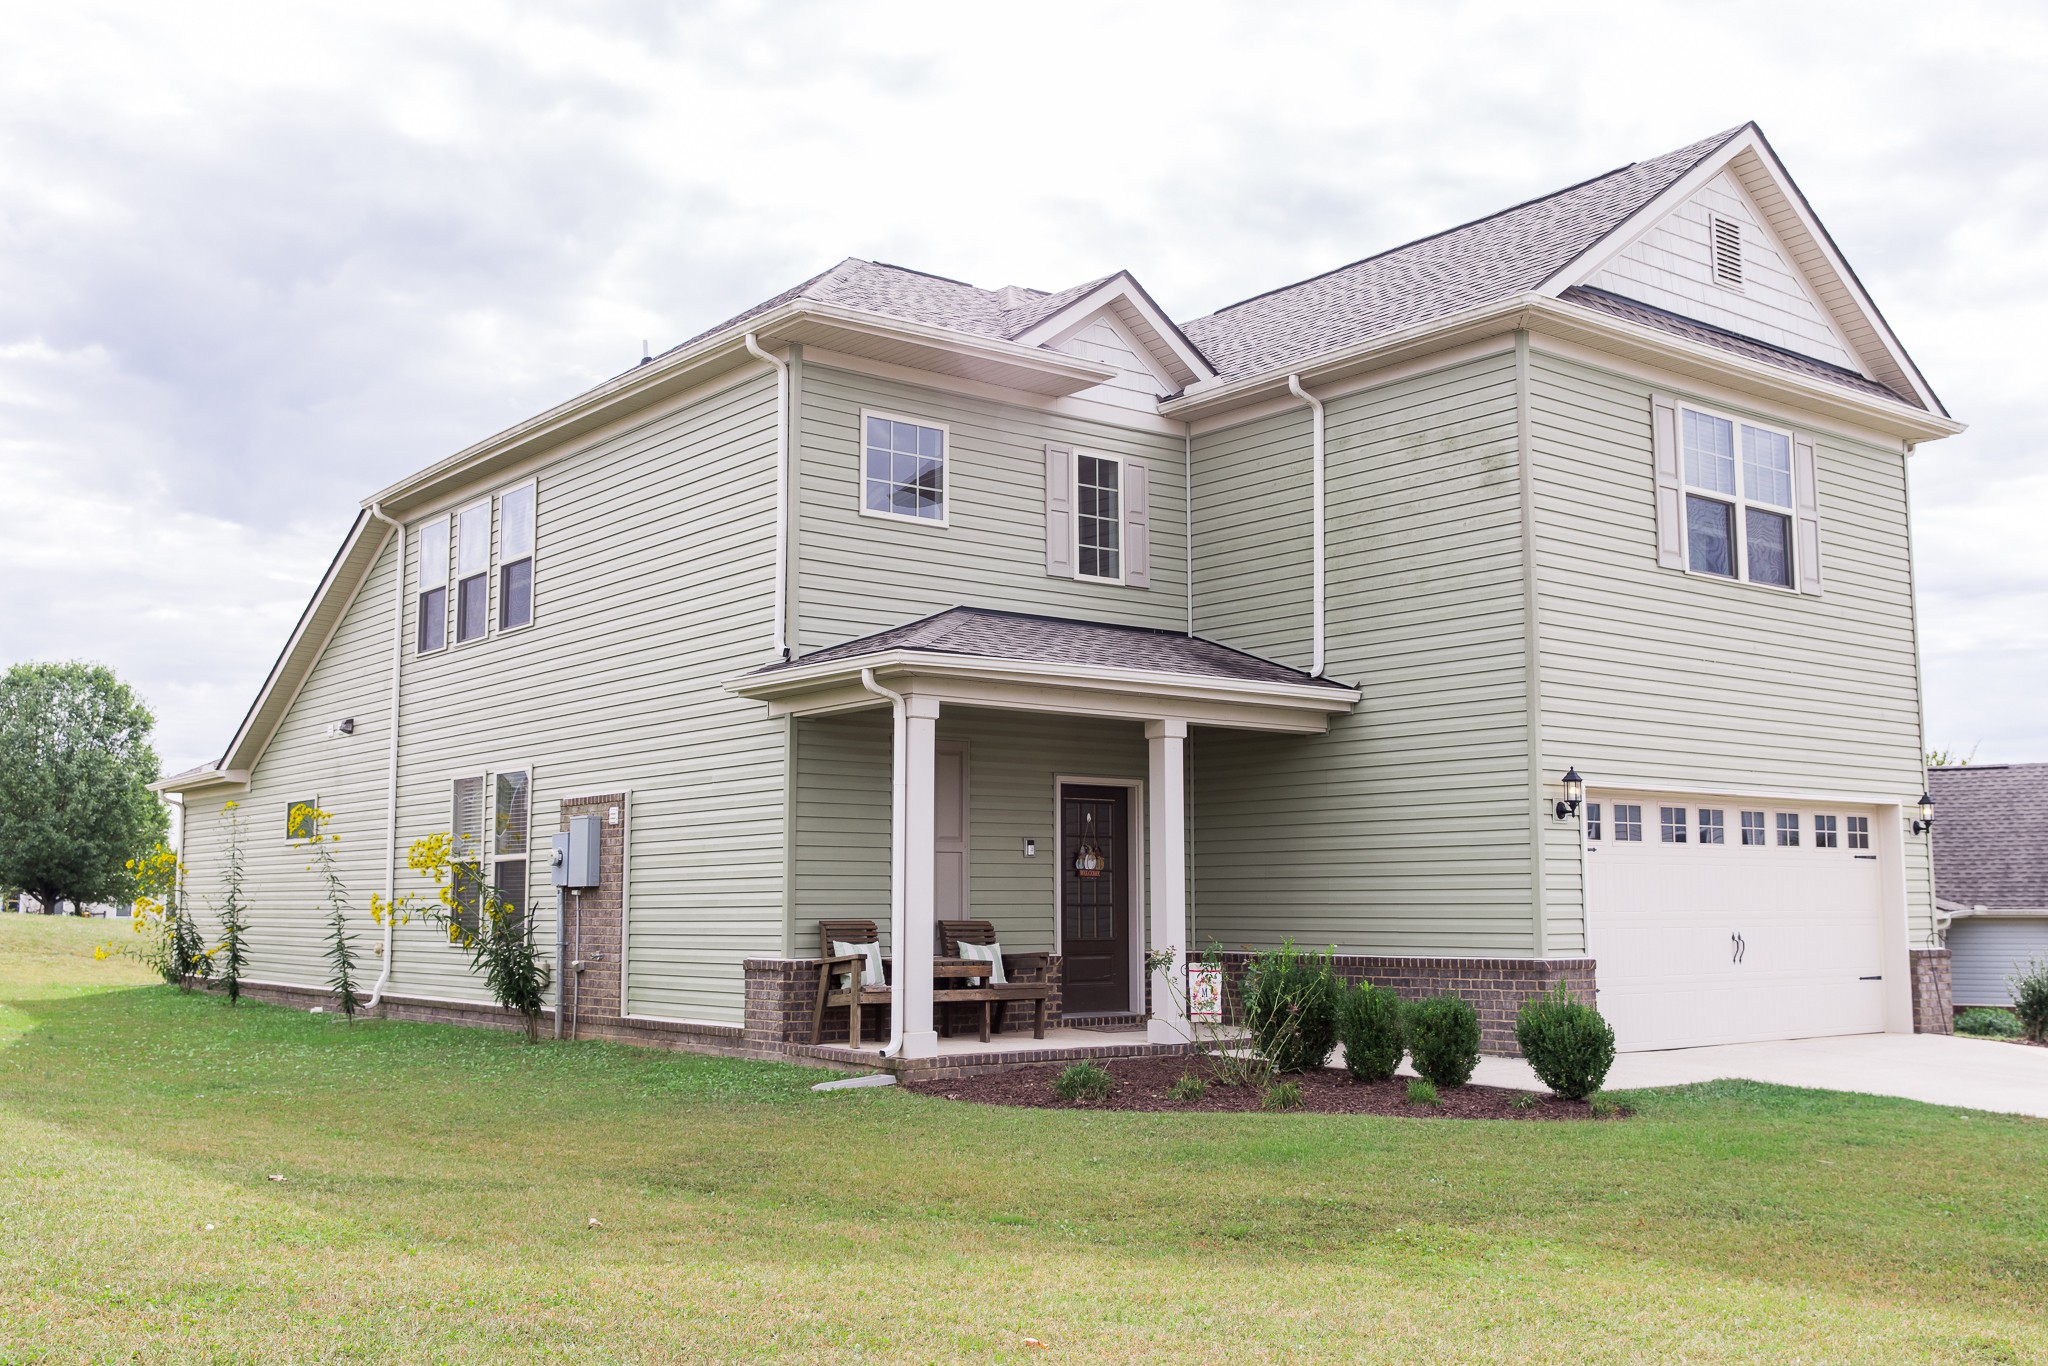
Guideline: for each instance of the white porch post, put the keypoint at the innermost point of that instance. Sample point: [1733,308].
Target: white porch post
[913,986]
[1166,745]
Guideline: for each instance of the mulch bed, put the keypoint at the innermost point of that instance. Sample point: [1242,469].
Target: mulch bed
[1142,1084]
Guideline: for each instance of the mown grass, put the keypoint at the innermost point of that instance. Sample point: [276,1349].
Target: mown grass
[440,1184]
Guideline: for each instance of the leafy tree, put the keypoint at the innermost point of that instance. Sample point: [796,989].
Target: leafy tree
[75,770]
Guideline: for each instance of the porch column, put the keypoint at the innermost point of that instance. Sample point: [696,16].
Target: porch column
[913,986]
[1166,746]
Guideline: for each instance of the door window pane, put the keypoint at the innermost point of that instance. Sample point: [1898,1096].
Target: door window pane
[1712,828]
[1628,822]
[1770,546]
[1671,824]
[1859,832]
[1710,535]
[1753,828]
[1788,828]
[1824,832]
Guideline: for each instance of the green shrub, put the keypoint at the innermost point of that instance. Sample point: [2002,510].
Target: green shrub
[1290,1007]
[1443,1038]
[1082,1081]
[1567,1043]
[2030,999]
[1187,1090]
[1525,1101]
[1422,1092]
[1284,1095]
[1988,1024]
[1369,1022]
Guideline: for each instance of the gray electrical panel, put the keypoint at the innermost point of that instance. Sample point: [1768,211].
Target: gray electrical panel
[574,862]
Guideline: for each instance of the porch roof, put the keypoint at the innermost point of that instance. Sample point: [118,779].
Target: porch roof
[981,657]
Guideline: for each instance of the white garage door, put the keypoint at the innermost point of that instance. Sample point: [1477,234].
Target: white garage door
[1732,921]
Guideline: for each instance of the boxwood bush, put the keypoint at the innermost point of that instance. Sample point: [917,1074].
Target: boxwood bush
[1369,1022]
[1443,1038]
[1567,1043]
[1290,1007]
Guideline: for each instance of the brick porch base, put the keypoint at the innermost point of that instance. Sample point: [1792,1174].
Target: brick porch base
[1934,1009]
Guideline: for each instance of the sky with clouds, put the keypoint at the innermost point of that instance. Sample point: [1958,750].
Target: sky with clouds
[257,261]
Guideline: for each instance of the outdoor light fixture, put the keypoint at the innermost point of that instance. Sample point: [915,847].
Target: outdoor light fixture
[1574,793]
[1926,821]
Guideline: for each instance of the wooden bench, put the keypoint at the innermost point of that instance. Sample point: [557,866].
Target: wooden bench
[1030,977]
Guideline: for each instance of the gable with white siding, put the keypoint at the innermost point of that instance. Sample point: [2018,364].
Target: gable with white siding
[1138,383]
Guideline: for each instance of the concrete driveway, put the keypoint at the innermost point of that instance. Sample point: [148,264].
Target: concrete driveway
[1942,1070]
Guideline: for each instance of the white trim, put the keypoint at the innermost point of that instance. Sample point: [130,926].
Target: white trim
[679,1020]
[1074,457]
[860,483]
[1740,499]
[1139,923]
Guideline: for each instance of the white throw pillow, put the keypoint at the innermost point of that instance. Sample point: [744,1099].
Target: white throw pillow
[871,975]
[986,953]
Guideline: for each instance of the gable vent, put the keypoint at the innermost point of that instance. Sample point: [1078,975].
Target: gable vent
[1725,238]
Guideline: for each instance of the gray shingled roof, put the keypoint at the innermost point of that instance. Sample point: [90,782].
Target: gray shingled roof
[1481,262]
[917,297]
[1991,835]
[1693,330]
[985,634]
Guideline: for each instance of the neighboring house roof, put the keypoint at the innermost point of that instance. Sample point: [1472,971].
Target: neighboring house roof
[1489,259]
[984,633]
[1991,835]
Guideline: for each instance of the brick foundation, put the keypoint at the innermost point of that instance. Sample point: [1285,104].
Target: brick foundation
[593,929]
[1496,987]
[1934,1010]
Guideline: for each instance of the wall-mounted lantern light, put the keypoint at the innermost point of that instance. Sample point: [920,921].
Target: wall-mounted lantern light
[1574,793]
[1926,821]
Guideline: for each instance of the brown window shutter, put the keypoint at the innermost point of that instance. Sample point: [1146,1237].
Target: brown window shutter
[1137,526]
[1806,500]
[1670,492]
[1059,512]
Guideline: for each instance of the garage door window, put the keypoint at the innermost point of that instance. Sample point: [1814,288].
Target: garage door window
[1592,820]
[1788,828]
[1671,824]
[1712,827]
[1859,832]
[1753,828]
[1628,822]
[1824,833]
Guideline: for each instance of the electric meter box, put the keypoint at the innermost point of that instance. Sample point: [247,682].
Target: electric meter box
[574,862]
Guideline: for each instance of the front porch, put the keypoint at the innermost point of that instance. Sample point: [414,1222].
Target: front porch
[999,768]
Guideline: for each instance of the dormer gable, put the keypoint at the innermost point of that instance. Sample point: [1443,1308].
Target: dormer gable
[1117,324]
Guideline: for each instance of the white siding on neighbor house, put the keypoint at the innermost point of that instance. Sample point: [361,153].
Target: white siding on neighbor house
[1986,950]
[1013,761]
[1671,267]
[652,587]
[1105,340]
[1654,678]
[860,574]
[1405,830]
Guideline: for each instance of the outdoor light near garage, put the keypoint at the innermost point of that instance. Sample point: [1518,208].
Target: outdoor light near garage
[1574,793]
[1926,821]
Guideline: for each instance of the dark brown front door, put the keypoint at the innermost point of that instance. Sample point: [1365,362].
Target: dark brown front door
[1095,899]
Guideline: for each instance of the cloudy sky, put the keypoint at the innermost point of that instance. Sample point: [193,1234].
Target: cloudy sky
[257,261]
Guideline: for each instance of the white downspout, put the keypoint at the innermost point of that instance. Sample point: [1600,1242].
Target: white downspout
[779,644]
[896,804]
[1316,405]
[391,753]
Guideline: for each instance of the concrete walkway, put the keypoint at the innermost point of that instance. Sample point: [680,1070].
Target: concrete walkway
[1976,1073]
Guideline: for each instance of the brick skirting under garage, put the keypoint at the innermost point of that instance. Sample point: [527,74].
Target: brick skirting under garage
[1934,1009]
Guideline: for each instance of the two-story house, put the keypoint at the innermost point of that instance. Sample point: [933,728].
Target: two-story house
[898,598]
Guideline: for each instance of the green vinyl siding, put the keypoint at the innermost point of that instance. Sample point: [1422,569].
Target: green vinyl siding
[1014,760]
[652,587]
[1652,676]
[860,574]
[1405,829]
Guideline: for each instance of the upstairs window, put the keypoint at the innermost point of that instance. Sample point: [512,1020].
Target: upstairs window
[433,594]
[472,571]
[515,557]
[1098,517]
[1738,512]
[903,469]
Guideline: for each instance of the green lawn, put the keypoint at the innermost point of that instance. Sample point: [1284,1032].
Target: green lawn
[440,1183]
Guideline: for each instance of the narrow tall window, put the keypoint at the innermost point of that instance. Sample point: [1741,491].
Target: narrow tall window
[472,571]
[466,854]
[1098,517]
[515,557]
[1628,822]
[1671,824]
[1753,828]
[302,819]
[1824,832]
[509,834]
[903,469]
[1592,820]
[1859,832]
[1713,828]
[433,595]
[1788,828]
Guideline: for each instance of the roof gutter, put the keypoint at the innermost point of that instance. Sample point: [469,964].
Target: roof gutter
[896,852]
[778,642]
[1315,404]
[391,753]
